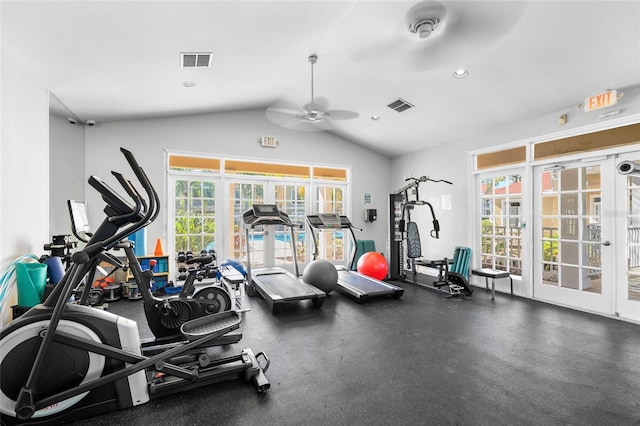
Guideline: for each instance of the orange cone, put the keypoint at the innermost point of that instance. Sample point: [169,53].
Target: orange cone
[159,249]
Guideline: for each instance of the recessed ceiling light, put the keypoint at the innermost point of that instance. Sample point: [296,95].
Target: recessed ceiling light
[460,73]
[375,117]
[189,83]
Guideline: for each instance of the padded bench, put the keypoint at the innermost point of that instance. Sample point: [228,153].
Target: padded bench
[436,264]
[494,274]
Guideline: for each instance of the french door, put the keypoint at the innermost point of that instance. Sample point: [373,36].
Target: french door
[270,246]
[627,187]
[574,261]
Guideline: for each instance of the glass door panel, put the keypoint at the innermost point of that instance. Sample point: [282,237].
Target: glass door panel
[242,196]
[291,199]
[570,268]
[628,233]
[330,199]
[194,215]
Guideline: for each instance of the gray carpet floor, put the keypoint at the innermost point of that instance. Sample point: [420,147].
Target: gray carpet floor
[422,359]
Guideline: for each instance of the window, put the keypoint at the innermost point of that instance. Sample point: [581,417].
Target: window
[195,215]
[198,182]
[501,213]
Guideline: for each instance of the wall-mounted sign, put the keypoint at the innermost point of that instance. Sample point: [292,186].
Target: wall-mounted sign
[601,100]
[269,141]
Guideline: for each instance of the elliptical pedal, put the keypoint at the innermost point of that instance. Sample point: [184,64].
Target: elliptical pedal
[210,326]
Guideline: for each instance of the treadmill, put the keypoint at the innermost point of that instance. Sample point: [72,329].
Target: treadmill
[276,285]
[352,283]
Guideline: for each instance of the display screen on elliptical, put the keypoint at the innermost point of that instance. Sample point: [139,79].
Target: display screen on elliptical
[79,219]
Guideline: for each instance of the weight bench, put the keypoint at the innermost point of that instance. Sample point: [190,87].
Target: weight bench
[494,274]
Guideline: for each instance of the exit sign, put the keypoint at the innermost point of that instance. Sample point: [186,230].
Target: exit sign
[601,100]
[269,141]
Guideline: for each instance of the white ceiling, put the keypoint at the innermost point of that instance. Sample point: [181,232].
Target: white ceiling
[109,60]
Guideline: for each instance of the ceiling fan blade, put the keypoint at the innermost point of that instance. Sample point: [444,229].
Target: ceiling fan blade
[284,110]
[470,29]
[281,115]
[302,125]
[340,114]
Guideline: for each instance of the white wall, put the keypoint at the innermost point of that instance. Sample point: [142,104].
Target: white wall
[24,163]
[450,161]
[234,134]
[66,174]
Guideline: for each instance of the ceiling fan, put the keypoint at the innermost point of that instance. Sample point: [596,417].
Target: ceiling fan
[436,34]
[313,117]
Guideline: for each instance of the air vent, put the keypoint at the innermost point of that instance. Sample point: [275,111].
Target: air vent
[400,105]
[195,59]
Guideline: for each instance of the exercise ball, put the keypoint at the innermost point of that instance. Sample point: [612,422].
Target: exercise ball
[373,264]
[321,274]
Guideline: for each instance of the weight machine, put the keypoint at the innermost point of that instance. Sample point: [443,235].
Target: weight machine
[405,247]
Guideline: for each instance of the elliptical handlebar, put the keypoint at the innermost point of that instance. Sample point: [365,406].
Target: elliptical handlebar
[135,195]
[139,216]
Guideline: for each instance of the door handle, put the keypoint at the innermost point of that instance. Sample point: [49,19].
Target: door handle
[606,243]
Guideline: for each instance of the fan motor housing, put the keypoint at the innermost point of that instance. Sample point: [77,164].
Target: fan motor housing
[424,17]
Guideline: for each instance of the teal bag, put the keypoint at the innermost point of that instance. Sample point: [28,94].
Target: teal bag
[31,279]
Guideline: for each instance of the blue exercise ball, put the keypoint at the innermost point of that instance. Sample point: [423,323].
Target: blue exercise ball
[321,274]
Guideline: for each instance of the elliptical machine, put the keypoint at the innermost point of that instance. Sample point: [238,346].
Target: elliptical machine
[63,361]
[164,316]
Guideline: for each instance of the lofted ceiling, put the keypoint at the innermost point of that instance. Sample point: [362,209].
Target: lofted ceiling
[120,60]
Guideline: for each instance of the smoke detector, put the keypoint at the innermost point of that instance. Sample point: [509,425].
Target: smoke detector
[423,18]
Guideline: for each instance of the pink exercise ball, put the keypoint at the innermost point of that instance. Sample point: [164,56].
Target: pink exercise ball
[374,265]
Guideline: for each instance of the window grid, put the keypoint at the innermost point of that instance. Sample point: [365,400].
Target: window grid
[195,220]
[242,196]
[501,216]
[291,199]
[571,228]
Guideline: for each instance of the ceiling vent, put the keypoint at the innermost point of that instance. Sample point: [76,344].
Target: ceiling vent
[195,59]
[400,105]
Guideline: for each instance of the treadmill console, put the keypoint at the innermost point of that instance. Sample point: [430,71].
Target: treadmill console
[266,214]
[328,221]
